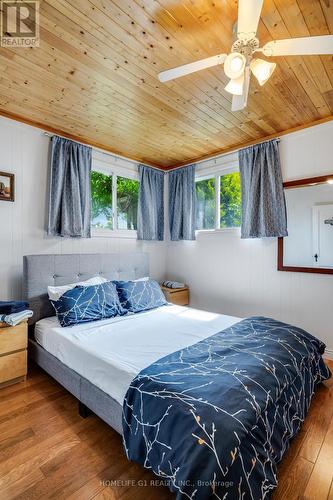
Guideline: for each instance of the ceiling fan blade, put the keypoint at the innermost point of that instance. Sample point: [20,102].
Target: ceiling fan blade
[248,18]
[186,69]
[239,102]
[310,45]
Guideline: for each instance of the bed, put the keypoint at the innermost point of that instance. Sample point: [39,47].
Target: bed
[206,401]
[60,351]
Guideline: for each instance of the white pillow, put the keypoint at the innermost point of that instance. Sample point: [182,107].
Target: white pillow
[142,279]
[55,292]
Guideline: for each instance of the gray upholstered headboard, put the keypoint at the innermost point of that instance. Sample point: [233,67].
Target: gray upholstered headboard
[40,271]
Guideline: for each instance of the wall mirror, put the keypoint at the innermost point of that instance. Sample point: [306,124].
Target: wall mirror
[308,248]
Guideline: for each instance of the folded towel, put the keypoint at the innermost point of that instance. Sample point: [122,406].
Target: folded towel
[13,306]
[173,284]
[16,318]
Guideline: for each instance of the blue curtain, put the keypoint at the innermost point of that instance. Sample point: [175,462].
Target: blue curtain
[182,203]
[151,204]
[263,201]
[69,189]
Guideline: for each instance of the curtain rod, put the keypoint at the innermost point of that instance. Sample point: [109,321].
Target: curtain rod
[213,158]
[219,155]
[106,153]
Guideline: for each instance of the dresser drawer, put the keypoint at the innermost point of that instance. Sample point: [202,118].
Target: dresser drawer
[13,366]
[13,338]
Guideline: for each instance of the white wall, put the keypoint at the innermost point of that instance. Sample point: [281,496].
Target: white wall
[24,152]
[239,277]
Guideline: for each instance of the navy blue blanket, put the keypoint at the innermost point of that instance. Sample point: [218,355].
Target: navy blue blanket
[214,419]
[13,306]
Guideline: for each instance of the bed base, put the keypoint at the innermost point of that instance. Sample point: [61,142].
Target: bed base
[90,397]
[84,411]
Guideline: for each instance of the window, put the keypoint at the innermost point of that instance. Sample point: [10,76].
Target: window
[101,200]
[218,202]
[114,201]
[205,204]
[127,203]
[230,200]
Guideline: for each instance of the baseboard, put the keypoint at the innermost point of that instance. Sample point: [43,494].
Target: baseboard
[328,354]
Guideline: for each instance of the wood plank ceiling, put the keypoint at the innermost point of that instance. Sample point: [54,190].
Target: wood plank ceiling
[94,76]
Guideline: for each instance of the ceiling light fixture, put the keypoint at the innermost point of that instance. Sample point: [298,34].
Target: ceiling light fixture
[246,46]
[234,65]
[262,70]
[235,85]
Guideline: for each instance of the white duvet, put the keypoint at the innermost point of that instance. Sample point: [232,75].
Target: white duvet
[111,352]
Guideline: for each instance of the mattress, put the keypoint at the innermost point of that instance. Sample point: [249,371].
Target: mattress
[111,352]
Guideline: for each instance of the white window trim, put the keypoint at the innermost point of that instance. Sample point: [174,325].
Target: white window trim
[113,233]
[224,230]
[226,165]
[107,167]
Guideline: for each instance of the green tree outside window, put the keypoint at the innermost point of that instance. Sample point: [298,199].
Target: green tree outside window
[127,203]
[102,206]
[101,200]
[230,200]
[205,204]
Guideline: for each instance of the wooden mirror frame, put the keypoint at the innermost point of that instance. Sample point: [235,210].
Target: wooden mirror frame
[299,269]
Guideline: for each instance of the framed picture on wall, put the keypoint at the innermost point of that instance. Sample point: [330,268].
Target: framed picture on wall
[6,186]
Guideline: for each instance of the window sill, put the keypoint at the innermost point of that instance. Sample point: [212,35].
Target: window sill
[232,230]
[114,233]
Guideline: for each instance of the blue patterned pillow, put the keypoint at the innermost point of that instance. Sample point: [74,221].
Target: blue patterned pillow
[88,303]
[136,296]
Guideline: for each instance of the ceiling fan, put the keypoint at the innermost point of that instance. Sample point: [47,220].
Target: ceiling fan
[239,64]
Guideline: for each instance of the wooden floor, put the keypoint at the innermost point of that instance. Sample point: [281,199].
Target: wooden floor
[48,451]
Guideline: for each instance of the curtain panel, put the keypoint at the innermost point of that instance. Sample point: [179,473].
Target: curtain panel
[182,203]
[264,212]
[151,204]
[69,189]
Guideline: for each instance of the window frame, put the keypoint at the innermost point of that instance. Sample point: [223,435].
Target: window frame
[110,169]
[216,173]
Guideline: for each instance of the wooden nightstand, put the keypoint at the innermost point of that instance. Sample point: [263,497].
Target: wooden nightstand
[13,354]
[179,296]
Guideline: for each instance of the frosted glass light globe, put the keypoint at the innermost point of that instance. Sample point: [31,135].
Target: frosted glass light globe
[234,65]
[236,85]
[262,70]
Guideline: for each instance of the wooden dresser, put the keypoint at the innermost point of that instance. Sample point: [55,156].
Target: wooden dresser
[178,296]
[13,354]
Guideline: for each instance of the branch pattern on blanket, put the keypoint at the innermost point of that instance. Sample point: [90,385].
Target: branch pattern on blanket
[214,419]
